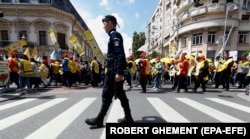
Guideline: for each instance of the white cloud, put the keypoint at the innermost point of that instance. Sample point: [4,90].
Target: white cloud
[96,27]
[104,3]
[137,15]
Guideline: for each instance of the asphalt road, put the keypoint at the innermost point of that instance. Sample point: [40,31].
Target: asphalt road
[57,112]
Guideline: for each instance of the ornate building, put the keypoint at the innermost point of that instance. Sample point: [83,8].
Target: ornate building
[180,25]
[33,19]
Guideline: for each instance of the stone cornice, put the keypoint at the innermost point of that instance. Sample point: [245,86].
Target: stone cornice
[37,11]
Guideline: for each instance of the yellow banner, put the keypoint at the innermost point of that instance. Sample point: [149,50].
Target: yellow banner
[53,38]
[173,47]
[77,46]
[27,52]
[13,46]
[34,53]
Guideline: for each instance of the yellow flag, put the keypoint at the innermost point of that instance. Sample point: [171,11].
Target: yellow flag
[34,53]
[76,45]
[27,52]
[173,47]
[53,38]
[15,45]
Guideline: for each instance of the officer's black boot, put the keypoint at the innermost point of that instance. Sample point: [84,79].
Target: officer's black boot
[127,119]
[98,121]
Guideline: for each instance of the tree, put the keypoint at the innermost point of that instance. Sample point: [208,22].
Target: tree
[155,54]
[138,41]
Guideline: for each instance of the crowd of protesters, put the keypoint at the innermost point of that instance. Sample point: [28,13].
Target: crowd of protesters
[185,70]
[181,72]
[28,74]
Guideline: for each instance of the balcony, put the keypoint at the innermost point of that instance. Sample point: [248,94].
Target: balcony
[209,8]
[184,5]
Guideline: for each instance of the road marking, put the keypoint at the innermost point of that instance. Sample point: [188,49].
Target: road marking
[9,121]
[167,112]
[116,112]
[223,117]
[13,104]
[231,104]
[56,126]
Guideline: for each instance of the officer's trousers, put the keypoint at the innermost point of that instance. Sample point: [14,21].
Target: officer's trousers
[112,88]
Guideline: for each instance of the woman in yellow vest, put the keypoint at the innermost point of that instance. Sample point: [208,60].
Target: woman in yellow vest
[25,72]
[44,72]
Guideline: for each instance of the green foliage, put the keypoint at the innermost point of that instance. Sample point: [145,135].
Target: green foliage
[155,54]
[246,53]
[138,41]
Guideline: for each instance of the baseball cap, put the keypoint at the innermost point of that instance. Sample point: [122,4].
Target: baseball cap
[110,18]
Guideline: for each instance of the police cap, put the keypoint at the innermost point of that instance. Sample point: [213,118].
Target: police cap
[110,18]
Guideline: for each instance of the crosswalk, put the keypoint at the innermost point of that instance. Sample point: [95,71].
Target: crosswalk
[58,124]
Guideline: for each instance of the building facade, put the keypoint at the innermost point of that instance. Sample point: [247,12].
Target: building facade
[32,19]
[209,28]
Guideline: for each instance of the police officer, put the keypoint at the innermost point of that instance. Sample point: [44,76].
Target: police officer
[115,70]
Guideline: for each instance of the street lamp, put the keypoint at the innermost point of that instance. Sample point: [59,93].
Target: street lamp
[234,7]
[228,6]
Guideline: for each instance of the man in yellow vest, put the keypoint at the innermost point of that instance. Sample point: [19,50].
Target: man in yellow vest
[95,72]
[25,72]
[227,70]
[201,73]
[131,70]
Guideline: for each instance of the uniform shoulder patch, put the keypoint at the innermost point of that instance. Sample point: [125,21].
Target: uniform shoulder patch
[117,42]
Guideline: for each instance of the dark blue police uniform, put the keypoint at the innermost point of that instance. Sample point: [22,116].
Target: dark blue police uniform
[116,60]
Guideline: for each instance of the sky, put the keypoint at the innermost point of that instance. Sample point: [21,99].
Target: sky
[132,16]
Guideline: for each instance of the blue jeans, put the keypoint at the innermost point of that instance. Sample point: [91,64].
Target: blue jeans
[25,80]
[157,81]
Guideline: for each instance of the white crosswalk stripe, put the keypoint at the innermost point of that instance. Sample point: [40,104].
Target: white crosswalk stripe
[116,112]
[9,121]
[52,128]
[167,112]
[231,104]
[223,117]
[7,106]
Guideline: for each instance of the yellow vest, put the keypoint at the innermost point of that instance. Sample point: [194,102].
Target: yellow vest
[132,69]
[95,65]
[147,67]
[44,71]
[55,68]
[72,66]
[27,67]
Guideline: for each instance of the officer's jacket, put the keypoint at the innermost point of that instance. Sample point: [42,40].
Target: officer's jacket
[115,54]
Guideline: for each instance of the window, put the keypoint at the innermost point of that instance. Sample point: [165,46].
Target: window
[242,37]
[230,1]
[197,39]
[246,4]
[4,38]
[22,35]
[24,1]
[215,1]
[245,17]
[42,38]
[61,40]
[44,1]
[211,37]
[186,42]
[5,1]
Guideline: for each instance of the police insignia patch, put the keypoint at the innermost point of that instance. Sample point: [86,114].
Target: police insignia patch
[116,43]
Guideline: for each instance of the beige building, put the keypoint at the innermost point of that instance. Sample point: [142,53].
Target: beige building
[33,19]
[179,24]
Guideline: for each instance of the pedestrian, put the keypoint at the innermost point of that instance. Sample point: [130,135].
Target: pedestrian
[113,80]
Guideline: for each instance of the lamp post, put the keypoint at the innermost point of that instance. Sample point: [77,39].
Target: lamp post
[225,38]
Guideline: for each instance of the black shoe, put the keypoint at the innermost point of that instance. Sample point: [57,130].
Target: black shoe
[126,120]
[94,122]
